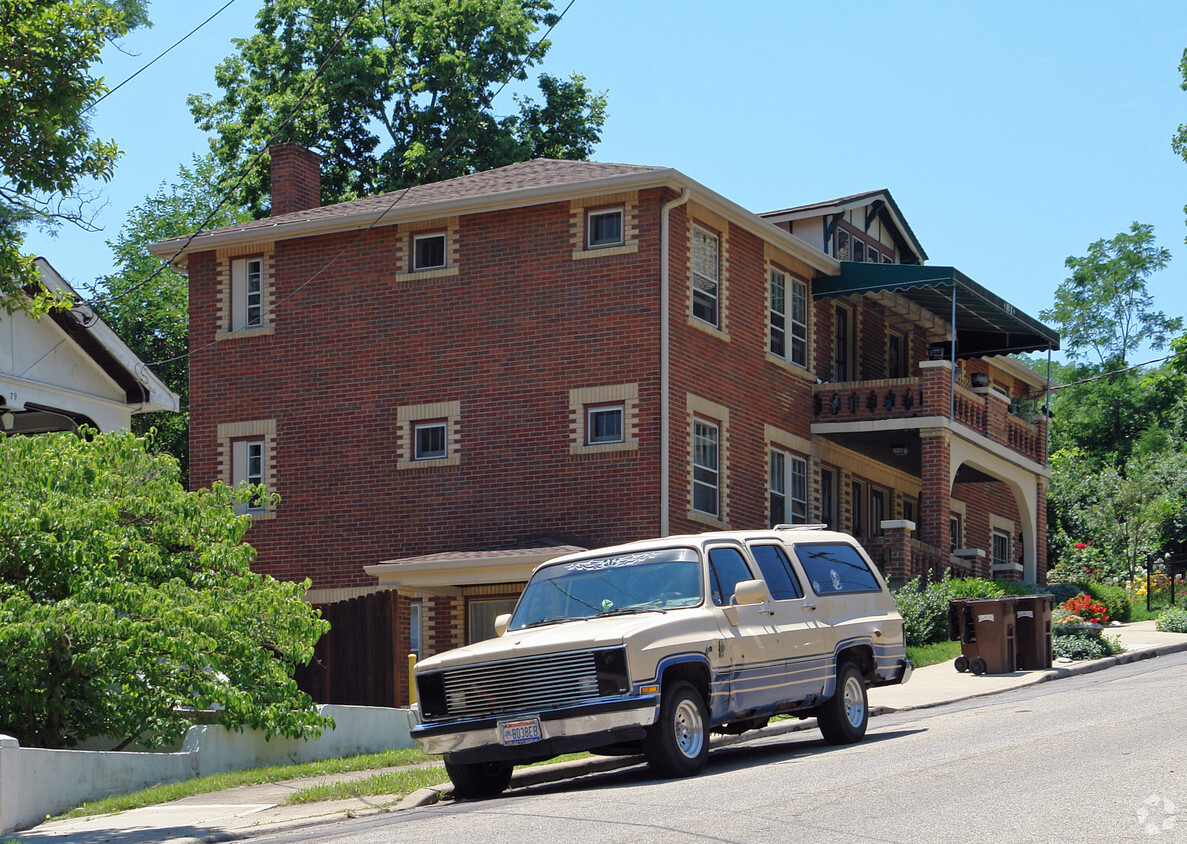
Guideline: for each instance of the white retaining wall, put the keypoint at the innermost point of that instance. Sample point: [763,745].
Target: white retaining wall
[35,782]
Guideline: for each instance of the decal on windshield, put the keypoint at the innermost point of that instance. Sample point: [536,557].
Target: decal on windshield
[613,562]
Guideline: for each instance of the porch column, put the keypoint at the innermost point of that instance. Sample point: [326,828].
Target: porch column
[1040,550]
[899,564]
[936,378]
[936,489]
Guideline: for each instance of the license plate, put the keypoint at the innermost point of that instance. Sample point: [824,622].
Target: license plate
[524,731]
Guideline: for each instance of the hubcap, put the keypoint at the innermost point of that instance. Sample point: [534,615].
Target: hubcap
[690,729]
[855,708]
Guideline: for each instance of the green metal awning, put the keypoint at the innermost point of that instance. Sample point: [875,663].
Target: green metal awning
[986,324]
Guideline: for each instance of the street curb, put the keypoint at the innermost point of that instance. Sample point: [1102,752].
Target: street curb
[580,767]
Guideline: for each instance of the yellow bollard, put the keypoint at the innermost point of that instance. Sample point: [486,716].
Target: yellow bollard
[411,679]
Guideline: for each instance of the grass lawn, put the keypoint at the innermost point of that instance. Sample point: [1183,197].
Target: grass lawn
[933,653]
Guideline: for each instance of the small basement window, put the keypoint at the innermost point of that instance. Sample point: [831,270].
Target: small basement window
[605,228]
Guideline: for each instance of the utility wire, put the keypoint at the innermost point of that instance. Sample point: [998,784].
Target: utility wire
[161,55]
[1117,371]
[249,167]
[399,195]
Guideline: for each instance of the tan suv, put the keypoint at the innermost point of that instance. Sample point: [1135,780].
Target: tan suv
[651,646]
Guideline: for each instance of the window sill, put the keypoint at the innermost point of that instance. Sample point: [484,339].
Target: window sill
[605,251]
[712,330]
[264,330]
[705,519]
[791,368]
[603,448]
[418,275]
[435,463]
[260,515]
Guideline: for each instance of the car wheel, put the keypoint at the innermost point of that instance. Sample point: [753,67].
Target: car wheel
[843,717]
[961,664]
[677,744]
[479,779]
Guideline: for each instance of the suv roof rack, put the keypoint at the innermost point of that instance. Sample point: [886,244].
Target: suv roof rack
[801,527]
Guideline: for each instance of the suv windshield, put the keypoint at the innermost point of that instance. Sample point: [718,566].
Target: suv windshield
[645,581]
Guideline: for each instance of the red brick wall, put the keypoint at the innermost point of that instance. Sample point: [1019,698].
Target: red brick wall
[520,325]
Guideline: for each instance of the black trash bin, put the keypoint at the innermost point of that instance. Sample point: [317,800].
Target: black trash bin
[1032,631]
[985,629]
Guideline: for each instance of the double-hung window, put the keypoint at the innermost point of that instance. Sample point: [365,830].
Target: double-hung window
[789,318]
[1001,549]
[706,467]
[604,228]
[604,425]
[788,488]
[428,252]
[247,466]
[706,275]
[247,293]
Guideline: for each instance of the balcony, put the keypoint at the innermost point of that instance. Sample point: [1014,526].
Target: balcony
[894,409]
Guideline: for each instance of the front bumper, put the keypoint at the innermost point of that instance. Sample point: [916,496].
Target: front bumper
[566,730]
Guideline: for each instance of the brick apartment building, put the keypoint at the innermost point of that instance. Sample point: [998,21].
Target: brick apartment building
[449,385]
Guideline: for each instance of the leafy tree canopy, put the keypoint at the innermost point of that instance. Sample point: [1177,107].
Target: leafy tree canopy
[47,149]
[1104,308]
[408,91]
[150,312]
[126,601]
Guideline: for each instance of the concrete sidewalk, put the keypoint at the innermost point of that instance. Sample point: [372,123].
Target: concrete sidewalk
[252,810]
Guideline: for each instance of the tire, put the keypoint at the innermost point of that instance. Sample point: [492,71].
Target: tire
[677,744]
[843,717]
[479,780]
[961,664]
[978,666]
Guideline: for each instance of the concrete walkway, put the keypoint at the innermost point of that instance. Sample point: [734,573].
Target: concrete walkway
[252,810]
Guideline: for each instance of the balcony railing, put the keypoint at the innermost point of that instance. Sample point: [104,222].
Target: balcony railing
[899,398]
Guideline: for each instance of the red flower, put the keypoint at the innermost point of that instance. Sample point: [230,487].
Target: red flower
[1080,546]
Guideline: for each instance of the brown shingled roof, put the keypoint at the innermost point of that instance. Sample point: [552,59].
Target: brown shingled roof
[537,173]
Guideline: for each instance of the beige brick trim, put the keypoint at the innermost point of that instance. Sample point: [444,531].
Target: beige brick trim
[408,415]
[783,439]
[223,257]
[629,203]
[702,408]
[228,432]
[404,236]
[582,398]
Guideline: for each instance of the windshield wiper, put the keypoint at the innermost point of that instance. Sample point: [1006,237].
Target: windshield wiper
[556,619]
[627,610]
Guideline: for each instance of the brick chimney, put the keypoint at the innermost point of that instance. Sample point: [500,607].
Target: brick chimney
[296,178]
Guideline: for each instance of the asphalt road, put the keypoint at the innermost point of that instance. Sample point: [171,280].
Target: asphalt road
[1100,757]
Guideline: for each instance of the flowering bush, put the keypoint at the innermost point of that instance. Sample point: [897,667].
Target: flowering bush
[1084,607]
[1084,562]
[1172,620]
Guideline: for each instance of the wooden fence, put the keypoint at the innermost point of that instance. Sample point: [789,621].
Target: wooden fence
[356,663]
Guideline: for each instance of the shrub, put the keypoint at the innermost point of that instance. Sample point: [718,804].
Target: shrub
[924,608]
[1084,643]
[974,587]
[1172,620]
[1115,599]
[1063,591]
[1018,587]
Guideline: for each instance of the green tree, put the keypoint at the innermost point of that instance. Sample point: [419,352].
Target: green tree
[127,602]
[1104,308]
[148,306]
[47,149]
[409,88]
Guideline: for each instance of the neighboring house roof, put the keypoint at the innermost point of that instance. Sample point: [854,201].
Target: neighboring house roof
[72,365]
[848,203]
[535,182]
[434,572]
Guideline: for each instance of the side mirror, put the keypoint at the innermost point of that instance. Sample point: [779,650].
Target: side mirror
[502,622]
[751,592]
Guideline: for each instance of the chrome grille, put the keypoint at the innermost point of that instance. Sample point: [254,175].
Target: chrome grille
[528,684]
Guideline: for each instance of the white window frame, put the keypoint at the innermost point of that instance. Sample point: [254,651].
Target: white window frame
[591,242]
[604,410]
[873,256]
[706,466]
[788,488]
[706,288]
[876,520]
[417,239]
[416,629]
[777,341]
[842,251]
[248,465]
[857,242]
[955,537]
[247,293]
[426,426]
[1007,540]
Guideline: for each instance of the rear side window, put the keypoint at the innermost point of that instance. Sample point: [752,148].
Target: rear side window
[727,568]
[835,568]
[776,571]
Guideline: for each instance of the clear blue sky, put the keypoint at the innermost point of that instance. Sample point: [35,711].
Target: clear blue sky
[1011,134]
